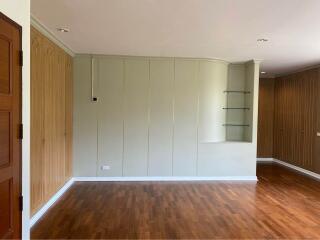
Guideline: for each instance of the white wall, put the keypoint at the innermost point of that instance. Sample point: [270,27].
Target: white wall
[148,115]
[19,11]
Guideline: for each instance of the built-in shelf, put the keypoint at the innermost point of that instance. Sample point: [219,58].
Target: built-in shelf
[236,108]
[236,125]
[236,91]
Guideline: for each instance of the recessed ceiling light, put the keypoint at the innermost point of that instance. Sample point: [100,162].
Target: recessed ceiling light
[263,72]
[63,30]
[262,40]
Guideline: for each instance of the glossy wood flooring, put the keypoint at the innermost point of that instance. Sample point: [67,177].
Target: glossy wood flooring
[282,205]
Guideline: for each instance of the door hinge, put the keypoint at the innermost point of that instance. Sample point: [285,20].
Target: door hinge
[21,203]
[21,131]
[21,57]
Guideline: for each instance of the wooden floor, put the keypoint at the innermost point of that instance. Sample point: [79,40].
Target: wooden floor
[283,204]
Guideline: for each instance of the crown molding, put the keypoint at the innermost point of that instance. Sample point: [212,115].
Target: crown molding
[46,32]
[298,71]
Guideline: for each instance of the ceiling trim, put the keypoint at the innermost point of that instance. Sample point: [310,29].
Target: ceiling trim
[299,71]
[255,61]
[45,31]
[154,57]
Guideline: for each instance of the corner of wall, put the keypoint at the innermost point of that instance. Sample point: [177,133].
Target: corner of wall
[46,32]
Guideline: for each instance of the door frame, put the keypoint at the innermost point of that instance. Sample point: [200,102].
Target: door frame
[19,27]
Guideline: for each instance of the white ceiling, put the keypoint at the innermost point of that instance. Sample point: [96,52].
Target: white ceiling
[223,29]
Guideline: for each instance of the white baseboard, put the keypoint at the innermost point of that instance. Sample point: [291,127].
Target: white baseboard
[45,208]
[265,160]
[299,169]
[146,179]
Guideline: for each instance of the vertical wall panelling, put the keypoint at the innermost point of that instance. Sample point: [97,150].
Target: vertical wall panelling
[85,120]
[213,78]
[110,116]
[51,116]
[37,125]
[316,154]
[265,118]
[295,117]
[185,118]
[148,115]
[136,117]
[161,117]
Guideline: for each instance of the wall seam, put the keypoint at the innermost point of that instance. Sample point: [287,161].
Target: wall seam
[173,114]
[149,113]
[97,116]
[123,112]
[198,117]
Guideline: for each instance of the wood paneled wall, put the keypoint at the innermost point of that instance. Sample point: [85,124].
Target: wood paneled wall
[316,152]
[295,118]
[51,119]
[265,118]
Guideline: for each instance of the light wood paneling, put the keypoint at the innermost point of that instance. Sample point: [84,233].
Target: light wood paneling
[51,119]
[295,118]
[265,118]
[38,54]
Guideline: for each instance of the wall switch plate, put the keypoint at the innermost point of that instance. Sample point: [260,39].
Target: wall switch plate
[318,134]
[105,167]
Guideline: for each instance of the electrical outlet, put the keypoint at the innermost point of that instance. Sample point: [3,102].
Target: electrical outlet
[105,167]
[318,134]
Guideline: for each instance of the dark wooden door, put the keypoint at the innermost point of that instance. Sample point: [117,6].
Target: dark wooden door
[10,120]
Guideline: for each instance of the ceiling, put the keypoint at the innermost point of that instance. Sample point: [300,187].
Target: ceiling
[223,29]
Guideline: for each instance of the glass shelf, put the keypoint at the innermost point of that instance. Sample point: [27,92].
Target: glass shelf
[236,125]
[236,108]
[236,91]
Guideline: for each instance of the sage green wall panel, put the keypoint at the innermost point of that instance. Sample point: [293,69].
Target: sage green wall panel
[84,121]
[161,117]
[185,118]
[110,76]
[213,76]
[149,111]
[136,117]
[227,159]
[251,100]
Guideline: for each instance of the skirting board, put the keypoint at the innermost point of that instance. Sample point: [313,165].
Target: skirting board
[45,208]
[299,169]
[149,179]
[265,160]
